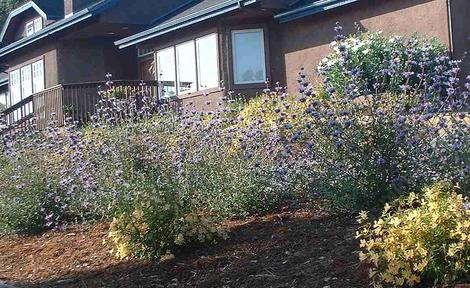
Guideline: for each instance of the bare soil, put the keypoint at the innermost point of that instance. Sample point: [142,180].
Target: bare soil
[290,248]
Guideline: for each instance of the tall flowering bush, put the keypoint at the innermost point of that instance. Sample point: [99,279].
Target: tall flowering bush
[419,239]
[369,63]
[376,139]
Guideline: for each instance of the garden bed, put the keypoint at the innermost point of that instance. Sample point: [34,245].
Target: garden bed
[290,248]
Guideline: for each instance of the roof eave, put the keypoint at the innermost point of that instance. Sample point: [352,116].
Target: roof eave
[315,8]
[185,21]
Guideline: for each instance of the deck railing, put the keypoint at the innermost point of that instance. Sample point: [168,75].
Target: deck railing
[76,101]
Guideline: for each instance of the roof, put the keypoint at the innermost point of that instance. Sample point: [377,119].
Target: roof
[86,13]
[189,14]
[54,9]
[302,8]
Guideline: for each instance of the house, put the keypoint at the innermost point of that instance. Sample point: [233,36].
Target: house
[245,44]
[57,53]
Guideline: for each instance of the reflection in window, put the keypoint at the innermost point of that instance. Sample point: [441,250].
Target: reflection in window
[208,66]
[186,67]
[248,56]
[166,72]
[3,100]
[195,64]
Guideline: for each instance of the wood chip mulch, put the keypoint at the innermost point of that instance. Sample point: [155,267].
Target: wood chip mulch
[291,248]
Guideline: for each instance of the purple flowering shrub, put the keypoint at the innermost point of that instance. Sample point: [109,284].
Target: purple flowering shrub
[365,63]
[372,142]
[31,197]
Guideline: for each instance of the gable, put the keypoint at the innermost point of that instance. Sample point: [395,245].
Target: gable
[46,9]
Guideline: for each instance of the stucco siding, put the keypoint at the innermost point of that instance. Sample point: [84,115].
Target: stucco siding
[306,41]
[89,60]
[460,22]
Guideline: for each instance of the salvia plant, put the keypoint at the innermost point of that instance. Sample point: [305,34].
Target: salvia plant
[357,140]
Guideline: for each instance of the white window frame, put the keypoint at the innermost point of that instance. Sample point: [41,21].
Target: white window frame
[38,25]
[234,58]
[38,80]
[29,28]
[17,78]
[192,44]
[197,64]
[32,27]
[15,90]
[158,69]
[200,88]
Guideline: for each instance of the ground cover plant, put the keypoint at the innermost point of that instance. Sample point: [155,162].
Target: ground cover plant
[419,239]
[384,124]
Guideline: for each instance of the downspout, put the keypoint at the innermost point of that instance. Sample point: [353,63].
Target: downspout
[449,22]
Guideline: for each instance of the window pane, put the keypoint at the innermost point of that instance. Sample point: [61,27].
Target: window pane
[248,56]
[29,28]
[26,82]
[3,101]
[186,67]
[15,90]
[37,24]
[38,76]
[208,66]
[26,87]
[166,72]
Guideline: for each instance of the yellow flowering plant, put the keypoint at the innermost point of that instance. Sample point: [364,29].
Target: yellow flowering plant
[157,222]
[418,239]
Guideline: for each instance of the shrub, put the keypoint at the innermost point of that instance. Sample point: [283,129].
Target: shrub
[419,238]
[157,220]
[371,62]
[31,198]
[372,145]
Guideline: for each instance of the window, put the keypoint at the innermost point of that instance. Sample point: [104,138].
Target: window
[208,66]
[26,81]
[15,90]
[33,26]
[37,24]
[38,76]
[3,101]
[29,28]
[141,52]
[249,62]
[188,67]
[167,72]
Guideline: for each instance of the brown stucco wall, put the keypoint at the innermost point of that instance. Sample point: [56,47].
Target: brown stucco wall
[89,60]
[306,41]
[460,22]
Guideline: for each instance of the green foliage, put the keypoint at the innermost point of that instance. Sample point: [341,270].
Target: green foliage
[375,63]
[156,221]
[6,6]
[419,238]
[26,206]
